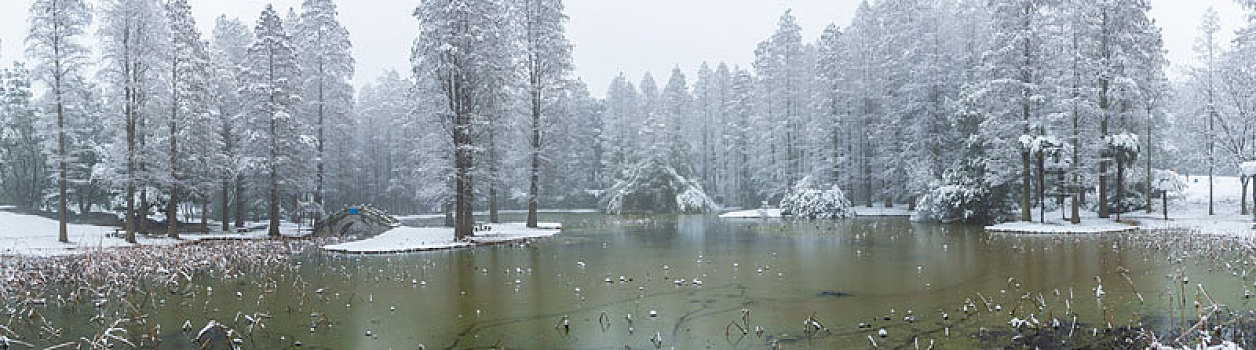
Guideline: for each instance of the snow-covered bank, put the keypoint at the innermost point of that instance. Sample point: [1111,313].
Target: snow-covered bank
[31,235]
[1188,210]
[414,239]
[1062,227]
[776,213]
[512,211]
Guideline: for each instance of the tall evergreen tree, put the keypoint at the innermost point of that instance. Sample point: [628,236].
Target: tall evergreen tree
[189,120]
[547,66]
[56,28]
[282,141]
[327,66]
[462,55]
[130,33]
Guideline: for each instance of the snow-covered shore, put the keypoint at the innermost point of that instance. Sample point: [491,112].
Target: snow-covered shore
[1188,211]
[776,213]
[415,239]
[32,235]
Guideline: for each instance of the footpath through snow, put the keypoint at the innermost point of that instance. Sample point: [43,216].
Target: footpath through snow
[414,239]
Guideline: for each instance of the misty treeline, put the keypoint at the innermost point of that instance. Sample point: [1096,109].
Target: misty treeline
[966,110]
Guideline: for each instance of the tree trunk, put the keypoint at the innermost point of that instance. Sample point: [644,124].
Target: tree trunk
[225,206]
[492,177]
[534,175]
[273,188]
[63,179]
[239,202]
[172,207]
[1042,189]
[318,190]
[1147,189]
[129,111]
[449,213]
[1026,189]
[205,215]
[464,191]
[172,213]
[1164,200]
[1243,196]
[1120,186]
[144,207]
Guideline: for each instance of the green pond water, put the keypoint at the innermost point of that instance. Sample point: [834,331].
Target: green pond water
[875,271]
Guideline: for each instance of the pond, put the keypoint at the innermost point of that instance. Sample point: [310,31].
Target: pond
[695,282]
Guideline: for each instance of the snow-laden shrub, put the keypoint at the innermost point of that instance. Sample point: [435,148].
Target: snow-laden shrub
[655,187]
[953,203]
[963,198]
[1248,168]
[807,202]
[1168,182]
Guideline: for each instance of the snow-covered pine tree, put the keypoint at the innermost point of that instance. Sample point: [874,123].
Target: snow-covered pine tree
[327,65]
[281,141]
[831,103]
[229,53]
[741,111]
[193,137]
[24,173]
[463,52]
[1125,53]
[622,118]
[784,93]
[863,38]
[384,107]
[547,67]
[53,42]
[662,180]
[130,31]
[88,139]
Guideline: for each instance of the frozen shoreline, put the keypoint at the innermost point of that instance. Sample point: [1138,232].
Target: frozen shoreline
[776,213]
[1187,211]
[32,235]
[416,239]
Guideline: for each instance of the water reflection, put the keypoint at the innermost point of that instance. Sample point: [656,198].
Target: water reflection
[887,273]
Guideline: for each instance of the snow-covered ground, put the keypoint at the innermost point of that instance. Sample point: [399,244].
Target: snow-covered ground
[413,239]
[1191,212]
[542,211]
[1188,210]
[776,213]
[31,235]
[1056,226]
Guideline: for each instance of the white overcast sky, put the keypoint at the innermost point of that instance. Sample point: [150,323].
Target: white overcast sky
[612,36]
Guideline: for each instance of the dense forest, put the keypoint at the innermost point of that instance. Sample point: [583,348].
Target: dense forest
[964,110]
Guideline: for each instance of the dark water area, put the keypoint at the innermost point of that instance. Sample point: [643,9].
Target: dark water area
[696,282]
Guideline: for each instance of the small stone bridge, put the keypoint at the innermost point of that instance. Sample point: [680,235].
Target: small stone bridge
[357,220]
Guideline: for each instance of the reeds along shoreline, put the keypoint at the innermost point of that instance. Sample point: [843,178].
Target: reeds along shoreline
[116,284]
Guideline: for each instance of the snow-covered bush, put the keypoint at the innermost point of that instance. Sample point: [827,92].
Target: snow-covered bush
[807,202]
[1248,168]
[655,187]
[1168,181]
[964,197]
[953,203]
